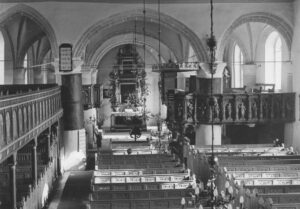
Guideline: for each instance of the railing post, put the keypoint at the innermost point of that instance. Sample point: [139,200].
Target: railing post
[49,156]
[34,162]
[13,182]
[260,109]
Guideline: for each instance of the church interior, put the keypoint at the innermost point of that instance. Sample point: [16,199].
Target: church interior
[149,104]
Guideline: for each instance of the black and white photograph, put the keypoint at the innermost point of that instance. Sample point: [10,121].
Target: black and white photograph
[149,104]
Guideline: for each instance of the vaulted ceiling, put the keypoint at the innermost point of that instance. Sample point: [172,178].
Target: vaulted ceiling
[176,43]
[23,34]
[152,1]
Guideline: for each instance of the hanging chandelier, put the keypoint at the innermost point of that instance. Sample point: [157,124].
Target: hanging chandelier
[218,199]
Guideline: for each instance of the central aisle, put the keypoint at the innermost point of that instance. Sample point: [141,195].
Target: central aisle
[76,190]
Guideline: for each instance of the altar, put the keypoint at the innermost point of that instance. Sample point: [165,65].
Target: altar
[129,90]
[125,121]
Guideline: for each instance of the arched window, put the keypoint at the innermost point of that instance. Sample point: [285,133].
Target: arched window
[1,59]
[273,57]
[25,65]
[238,59]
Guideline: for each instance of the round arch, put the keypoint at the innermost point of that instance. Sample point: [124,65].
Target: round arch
[278,23]
[137,15]
[115,42]
[34,15]
[228,51]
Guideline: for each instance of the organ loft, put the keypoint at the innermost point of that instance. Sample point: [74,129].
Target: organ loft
[150,104]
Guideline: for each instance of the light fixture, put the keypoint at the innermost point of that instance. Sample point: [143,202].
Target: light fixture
[222,199]
[161,80]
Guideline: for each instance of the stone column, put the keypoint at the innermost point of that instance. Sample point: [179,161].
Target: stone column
[44,74]
[72,102]
[34,162]
[13,180]
[204,131]
[74,140]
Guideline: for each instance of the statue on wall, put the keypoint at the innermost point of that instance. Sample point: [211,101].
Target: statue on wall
[228,111]
[190,109]
[254,110]
[242,111]
[226,78]
[216,111]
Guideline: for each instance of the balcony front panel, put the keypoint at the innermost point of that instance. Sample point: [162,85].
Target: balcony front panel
[235,108]
[24,116]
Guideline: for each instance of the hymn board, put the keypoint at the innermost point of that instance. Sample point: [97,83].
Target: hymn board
[65,57]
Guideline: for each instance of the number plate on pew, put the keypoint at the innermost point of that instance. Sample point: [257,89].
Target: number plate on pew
[262,182]
[118,180]
[282,182]
[296,182]
[162,178]
[181,185]
[132,179]
[101,180]
[270,175]
[252,175]
[117,173]
[167,186]
[147,179]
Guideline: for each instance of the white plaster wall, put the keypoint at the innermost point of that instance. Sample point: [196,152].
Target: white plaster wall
[293,132]
[249,75]
[204,135]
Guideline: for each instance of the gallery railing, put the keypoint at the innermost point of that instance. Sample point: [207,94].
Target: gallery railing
[231,108]
[24,116]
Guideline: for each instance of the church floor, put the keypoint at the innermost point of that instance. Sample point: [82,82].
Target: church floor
[72,191]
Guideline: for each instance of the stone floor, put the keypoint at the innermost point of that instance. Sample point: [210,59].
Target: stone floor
[72,191]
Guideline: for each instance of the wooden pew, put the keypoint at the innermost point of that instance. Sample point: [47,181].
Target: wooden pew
[140,166]
[286,206]
[138,179]
[139,194]
[264,189]
[139,203]
[135,172]
[279,198]
[139,186]
[267,174]
[260,167]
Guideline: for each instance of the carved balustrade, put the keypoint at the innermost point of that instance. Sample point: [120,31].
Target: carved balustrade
[22,88]
[91,96]
[25,116]
[233,108]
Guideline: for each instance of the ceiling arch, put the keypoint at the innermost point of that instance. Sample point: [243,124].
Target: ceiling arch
[283,27]
[118,40]
[170,27]
[29,20]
